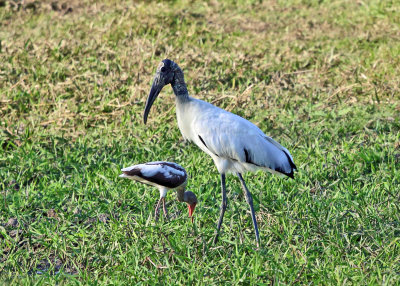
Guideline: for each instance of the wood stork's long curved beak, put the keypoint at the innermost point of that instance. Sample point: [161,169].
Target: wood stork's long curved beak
[156,88]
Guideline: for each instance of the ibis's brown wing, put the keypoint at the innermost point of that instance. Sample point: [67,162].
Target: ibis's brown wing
[167,174]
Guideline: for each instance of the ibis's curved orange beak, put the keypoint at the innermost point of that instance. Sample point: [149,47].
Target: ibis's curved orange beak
[191,210]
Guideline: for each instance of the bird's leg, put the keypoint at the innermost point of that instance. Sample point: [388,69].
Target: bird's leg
[157,209]
[165,209]
[223,207]
[249,200]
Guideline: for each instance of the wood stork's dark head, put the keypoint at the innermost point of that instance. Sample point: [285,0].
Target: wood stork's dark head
[167,72]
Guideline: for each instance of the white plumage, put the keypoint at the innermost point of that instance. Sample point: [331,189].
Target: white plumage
[227,137]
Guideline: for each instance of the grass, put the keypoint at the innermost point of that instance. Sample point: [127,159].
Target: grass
[321,78]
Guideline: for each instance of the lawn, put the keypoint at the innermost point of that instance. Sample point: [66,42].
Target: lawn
[320,77]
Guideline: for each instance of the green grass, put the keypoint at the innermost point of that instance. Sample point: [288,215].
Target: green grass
[321,78]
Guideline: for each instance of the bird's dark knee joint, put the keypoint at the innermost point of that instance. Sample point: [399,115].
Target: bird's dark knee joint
[249,198]
[223,206]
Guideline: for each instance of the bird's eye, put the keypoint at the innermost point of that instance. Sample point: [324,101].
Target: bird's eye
[163,69]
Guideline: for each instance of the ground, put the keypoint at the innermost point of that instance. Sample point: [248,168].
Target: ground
[320,77]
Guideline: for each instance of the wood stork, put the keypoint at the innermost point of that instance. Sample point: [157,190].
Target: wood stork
[235,144]
[164,176]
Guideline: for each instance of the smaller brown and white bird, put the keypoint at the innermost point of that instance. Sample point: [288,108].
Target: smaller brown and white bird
[164,176]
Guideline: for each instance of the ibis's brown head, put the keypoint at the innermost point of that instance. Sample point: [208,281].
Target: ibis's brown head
[191,200]
[167,72]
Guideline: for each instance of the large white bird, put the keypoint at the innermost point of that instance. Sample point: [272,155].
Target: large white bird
[164,176]
[235,144]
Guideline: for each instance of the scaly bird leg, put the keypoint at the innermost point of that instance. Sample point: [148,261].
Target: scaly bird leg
[165,209]
[157,209]
[249,200]
[223,207]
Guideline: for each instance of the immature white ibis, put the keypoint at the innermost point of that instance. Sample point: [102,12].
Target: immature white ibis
[164,176]
[235,144]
